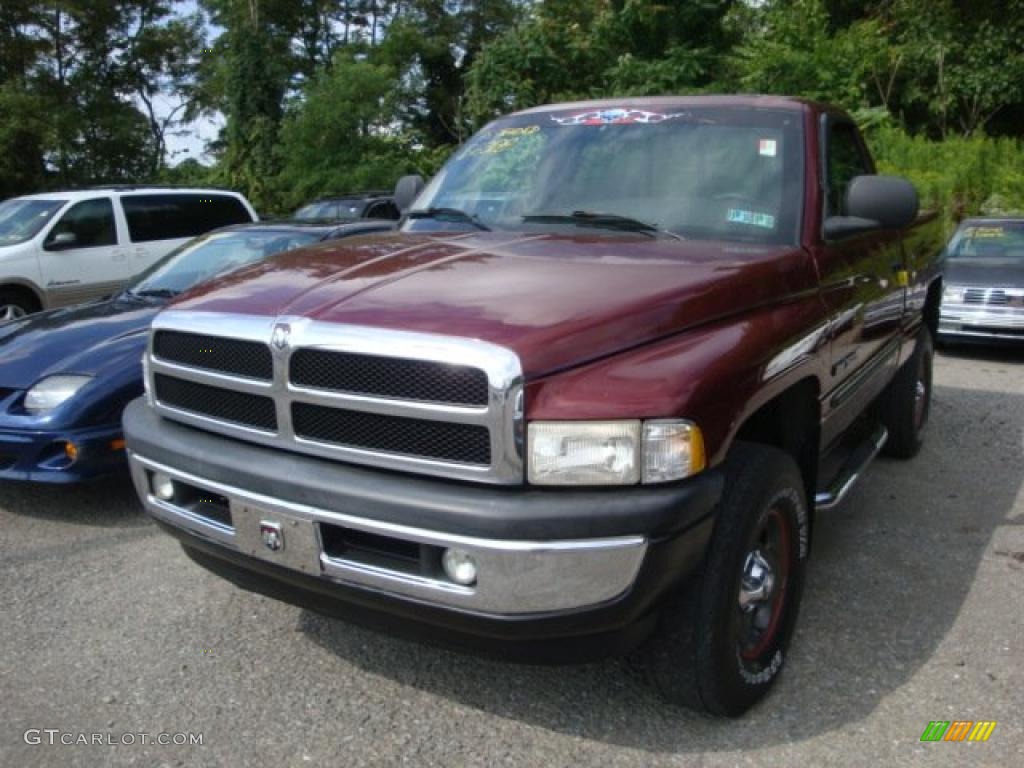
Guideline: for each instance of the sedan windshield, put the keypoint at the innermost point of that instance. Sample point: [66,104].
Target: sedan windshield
[21,219]
[703,173]
[331,209]
[210,255]
[989,239]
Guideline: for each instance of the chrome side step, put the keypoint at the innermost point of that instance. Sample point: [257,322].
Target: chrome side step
[851,470]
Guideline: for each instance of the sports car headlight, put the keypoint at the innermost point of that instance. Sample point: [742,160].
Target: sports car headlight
[52,391]
[613,452]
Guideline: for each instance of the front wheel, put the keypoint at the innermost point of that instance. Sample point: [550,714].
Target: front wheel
[723,637]
[906,403]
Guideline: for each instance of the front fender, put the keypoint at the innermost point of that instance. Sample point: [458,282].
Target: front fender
[716,375]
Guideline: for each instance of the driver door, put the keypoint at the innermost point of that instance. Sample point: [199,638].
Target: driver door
[83,255]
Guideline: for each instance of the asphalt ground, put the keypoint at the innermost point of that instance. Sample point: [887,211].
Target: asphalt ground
[914,612]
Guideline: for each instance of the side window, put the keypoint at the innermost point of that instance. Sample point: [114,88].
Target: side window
[173,217]
[91,222]
[845,160]
[223,210]
[383,210]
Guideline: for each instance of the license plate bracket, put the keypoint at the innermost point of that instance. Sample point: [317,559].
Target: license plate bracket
[279,538]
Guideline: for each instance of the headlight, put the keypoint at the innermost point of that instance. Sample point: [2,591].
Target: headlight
[613,452]
[52,391]
[953,293]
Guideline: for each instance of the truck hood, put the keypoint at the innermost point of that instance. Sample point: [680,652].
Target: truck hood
[556,301]
[985,272]
[87,339]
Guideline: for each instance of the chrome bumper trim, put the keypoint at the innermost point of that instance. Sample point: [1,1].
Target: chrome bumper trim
[515,577]
[980,315]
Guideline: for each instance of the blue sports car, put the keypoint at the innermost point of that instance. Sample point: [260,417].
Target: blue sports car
[67,374]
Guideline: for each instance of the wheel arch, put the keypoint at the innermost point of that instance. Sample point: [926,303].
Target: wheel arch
[25,288]
[790,421]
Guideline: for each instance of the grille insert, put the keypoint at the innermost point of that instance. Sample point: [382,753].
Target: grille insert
[237,357]
[254,411]
[995,298]
[389,377]
[422,438]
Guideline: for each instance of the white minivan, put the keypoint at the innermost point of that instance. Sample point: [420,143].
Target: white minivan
[62,248]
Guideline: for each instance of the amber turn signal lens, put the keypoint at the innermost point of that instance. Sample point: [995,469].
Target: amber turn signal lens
[117,445]
[71,451]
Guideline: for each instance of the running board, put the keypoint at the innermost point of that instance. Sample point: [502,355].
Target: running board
[852,469]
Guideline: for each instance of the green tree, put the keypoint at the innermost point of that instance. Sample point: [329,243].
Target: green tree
[600,48]
[339,137]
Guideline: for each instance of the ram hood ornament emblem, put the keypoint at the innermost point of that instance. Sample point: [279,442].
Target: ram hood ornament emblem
[281,336]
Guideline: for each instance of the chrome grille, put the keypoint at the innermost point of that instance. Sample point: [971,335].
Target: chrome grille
[421,380]
[991,296]
[254,411]
[425,403]
[215,353]
[464,443]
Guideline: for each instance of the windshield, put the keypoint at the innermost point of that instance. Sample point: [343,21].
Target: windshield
[331,209]
[703,173]
[209,255]
[21,219]
[993,240]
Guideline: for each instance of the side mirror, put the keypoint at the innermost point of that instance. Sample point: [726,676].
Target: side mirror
[62,241]
[875,202]
[407,190]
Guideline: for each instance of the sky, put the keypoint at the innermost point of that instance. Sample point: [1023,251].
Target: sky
[190,139]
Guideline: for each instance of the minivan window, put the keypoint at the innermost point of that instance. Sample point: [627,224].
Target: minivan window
[21,220]
[177,216]
[90,221]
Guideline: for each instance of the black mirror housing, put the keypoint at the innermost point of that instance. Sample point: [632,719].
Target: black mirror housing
[407,190]
[889,200]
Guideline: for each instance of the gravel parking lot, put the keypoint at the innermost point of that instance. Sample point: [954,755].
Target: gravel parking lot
[914,612]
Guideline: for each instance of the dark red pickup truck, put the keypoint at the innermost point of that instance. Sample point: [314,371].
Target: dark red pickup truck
[589,398]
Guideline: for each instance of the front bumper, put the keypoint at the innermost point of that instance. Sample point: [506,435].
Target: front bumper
[551,564]
[981,322]
[40,456]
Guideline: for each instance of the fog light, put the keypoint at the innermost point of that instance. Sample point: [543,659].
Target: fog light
[460,566]
[71,451]
[163,486]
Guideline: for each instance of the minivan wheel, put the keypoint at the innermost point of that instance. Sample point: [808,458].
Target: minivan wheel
[724,635]
[14,305]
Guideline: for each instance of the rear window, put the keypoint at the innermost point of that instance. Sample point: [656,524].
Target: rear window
[173,217]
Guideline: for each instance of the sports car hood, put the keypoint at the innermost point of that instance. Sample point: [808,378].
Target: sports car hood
[557,301]
[87,339]
[985,272]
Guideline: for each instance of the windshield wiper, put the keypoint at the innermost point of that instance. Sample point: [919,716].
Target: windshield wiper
[601,221]
[156,293]
[449,213]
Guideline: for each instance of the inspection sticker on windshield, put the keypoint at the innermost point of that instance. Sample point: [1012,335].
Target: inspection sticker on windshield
[768,147]
[980,232]
[754,219]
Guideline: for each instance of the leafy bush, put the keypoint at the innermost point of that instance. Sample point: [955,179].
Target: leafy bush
[959,176]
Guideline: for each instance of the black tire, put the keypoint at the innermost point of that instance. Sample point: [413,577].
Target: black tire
[904,407]
[708,653]
[15,303]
